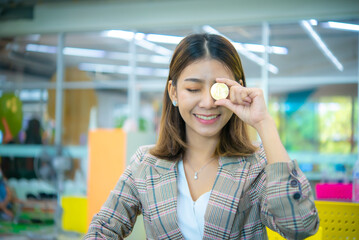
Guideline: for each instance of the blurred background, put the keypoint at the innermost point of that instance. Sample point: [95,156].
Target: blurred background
[69,68]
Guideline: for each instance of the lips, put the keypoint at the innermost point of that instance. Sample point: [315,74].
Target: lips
[207,117]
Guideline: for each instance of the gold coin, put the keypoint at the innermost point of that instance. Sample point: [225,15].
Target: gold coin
[219,91]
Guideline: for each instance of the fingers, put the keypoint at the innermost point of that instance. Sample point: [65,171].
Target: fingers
[227,81]
[240,95]
[237,93]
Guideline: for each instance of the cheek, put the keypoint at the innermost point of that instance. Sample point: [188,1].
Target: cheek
[187,98]
[181,96]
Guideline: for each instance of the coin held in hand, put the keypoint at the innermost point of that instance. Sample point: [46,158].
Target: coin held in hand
[219,91]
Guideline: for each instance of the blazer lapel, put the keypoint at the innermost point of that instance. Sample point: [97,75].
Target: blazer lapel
[162,195]
[225,196]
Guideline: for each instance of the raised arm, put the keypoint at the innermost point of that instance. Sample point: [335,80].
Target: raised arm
[287,203]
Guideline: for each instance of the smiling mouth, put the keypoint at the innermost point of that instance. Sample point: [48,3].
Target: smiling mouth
[208,117]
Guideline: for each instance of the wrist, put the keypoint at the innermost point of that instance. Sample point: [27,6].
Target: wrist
[265,124]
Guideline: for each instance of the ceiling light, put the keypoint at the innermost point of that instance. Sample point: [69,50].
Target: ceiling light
[170,39]
[313,22]
[140,40]
[241,48]
[260,48]
[159,38]
[127,35]
[154,47]
[84,52]
[41,48]
[341,26]
[322,46]
[107,68]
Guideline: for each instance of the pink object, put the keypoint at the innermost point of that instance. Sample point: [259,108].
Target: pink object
[334,191]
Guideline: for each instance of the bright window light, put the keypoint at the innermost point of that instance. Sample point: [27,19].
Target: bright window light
[341,26]
[322,46]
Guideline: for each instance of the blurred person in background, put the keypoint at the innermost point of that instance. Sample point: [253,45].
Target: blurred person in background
[7,199]
[33,135]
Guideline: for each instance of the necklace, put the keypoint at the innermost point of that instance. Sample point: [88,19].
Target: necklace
[196,172]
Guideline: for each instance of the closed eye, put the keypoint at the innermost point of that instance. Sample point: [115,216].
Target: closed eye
[192,90]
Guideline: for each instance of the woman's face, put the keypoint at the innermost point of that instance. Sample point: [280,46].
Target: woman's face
[194,99]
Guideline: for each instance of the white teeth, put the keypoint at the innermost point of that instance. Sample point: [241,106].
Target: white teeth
[205,117]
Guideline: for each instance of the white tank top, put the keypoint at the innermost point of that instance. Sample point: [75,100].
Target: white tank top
[190,214]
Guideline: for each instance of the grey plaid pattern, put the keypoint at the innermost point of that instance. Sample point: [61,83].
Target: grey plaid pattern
[247,195]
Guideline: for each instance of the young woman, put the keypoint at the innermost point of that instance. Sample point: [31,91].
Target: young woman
[204,179]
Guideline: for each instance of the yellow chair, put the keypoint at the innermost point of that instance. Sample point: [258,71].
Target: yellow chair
[275,236]
[339,220]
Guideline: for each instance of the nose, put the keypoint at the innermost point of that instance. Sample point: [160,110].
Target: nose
[206,101]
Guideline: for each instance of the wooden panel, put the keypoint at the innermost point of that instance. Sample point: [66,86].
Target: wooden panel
[77,104]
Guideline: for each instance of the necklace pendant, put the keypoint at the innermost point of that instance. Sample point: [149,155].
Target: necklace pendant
[195,175]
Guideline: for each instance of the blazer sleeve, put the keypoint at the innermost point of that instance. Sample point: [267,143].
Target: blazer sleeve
[287,202]
[118,215]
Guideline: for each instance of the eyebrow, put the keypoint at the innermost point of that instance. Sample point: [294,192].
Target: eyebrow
[197,80]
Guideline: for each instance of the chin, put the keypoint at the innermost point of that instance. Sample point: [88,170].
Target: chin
[209,134]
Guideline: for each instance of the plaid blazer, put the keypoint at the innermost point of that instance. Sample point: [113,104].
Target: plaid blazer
[247,195]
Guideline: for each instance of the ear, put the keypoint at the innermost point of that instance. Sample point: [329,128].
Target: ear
[172,91]
[241,82]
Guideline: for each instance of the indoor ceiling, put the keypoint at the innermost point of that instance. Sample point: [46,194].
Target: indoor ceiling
[304,64]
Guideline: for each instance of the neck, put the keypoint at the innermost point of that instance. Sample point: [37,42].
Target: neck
[200,151]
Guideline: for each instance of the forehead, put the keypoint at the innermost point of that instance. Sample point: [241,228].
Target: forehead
[206,69]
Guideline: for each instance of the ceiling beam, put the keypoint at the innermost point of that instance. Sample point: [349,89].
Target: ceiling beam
[78,16]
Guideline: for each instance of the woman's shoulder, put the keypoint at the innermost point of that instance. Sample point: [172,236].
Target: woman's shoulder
[143,155]
[144,163]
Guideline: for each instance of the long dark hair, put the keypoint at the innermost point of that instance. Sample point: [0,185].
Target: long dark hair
[234,139]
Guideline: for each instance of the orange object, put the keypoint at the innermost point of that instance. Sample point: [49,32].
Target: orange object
[107,161]
[7,136]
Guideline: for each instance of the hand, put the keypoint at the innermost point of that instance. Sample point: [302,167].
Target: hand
[247,103]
